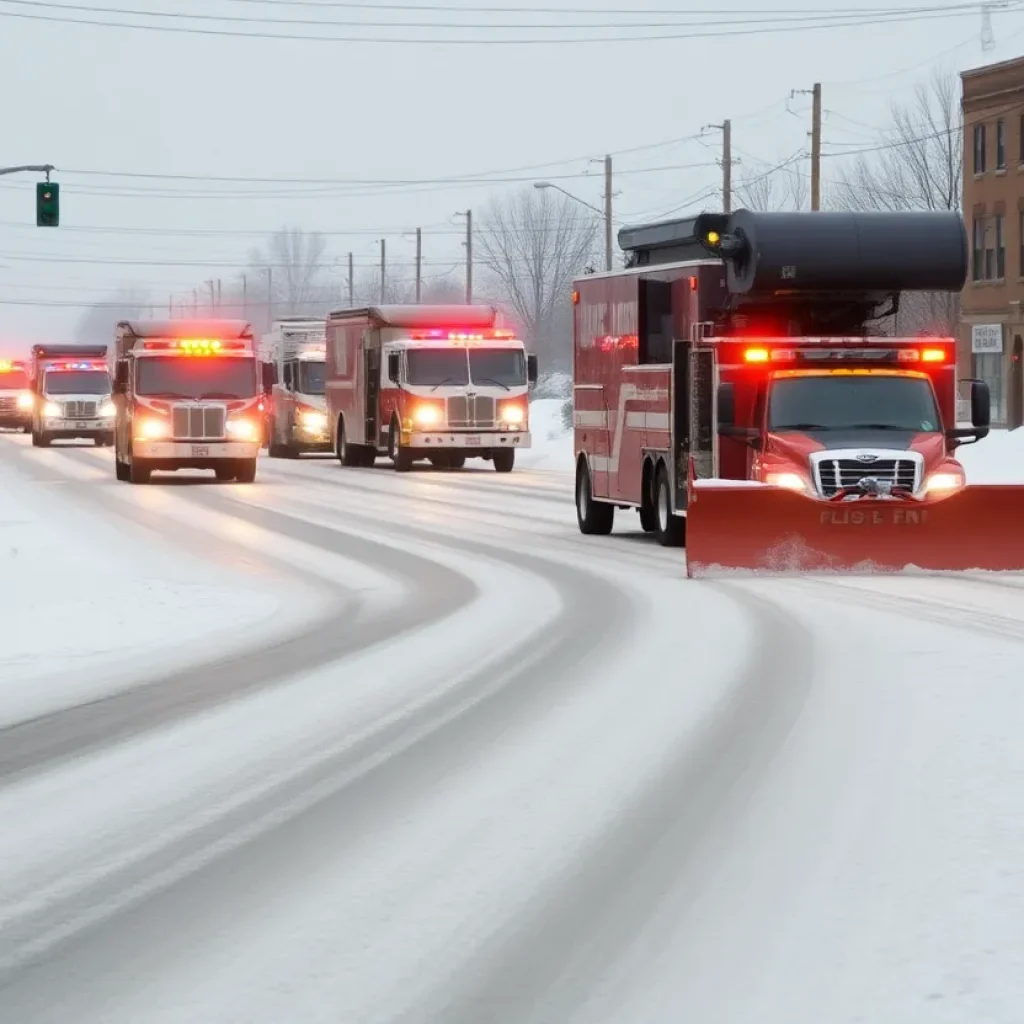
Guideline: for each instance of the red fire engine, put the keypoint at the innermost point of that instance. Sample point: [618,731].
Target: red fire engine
[738,349]
[72,389]
[442,383]
[189,395]
[16,401]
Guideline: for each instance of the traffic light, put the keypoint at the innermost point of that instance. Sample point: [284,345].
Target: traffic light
[47,204]
[709,229]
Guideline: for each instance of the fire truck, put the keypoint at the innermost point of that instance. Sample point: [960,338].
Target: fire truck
[443,383]
[189,395]
[733,385]
[72,394]
[16,401]
[297,416]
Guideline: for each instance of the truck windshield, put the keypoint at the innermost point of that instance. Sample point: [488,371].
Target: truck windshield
[432,367]
[843,403]
[503,366]
[196,378]
[13,379]
[312,378]
[76,382]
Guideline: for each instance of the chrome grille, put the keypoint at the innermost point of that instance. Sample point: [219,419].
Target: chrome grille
[8,403]
[81,410]
[476,411]
[835,474]
[198,422]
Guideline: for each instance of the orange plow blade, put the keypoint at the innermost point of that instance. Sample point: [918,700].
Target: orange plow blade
[772,530]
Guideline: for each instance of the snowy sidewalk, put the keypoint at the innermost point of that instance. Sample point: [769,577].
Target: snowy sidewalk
[87,607]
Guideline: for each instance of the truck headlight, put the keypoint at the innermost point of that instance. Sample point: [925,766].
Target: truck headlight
[943,483]
[108,410]
[426,415]
[151,429]
[52,409]
[25,400]
[241,430]
[512,413]
[314,420]
[791,481]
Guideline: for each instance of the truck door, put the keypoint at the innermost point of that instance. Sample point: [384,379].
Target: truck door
[371,383]
[703,412]
[679,399]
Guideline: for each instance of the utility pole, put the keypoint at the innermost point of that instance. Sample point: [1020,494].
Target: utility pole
[195,302]
[816,147]
[170,308]
[351,279]
[270,295]
[245,298]
[469,257]
[209,284]
[382,270]
[218,294]
[727,166]
[607,213]
[419,264]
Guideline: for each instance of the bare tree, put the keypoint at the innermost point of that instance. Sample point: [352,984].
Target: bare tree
[782,186]
[918,166]
[295,258]
[759,192]
[532,244]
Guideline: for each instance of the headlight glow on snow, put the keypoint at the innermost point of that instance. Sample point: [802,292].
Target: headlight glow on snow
[25,400]
[512,413]
[241,430]
[151,429]
[425,415]
[108,410]
[51,409]
[314,420]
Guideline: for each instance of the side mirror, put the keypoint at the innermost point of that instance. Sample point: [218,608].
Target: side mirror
[121,379]
[726,407]
[394,366]
[981,405]
[269,371]
[531,370]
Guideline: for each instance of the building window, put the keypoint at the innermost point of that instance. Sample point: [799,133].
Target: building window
[977,264]
[1000,247]
[988,366]
[1000,145]
[979,149]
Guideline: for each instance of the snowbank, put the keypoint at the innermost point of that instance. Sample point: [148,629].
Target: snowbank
[999,459]
[86,607]
[551,440]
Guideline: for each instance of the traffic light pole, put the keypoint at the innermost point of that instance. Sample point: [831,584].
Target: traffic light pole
[38,168]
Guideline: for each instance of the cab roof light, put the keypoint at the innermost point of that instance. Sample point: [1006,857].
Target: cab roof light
[443,334]
[756,355]
[61,367]
[195,346]
[10,365]
[933,355]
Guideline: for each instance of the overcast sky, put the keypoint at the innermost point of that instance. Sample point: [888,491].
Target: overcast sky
[107,104]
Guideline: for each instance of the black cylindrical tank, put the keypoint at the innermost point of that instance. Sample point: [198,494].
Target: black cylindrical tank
[843,252]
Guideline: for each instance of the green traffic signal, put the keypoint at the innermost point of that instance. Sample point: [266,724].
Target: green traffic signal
[47,204]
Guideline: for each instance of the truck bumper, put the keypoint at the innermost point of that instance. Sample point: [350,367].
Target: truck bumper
[10,421]
[59,428]
[194,454]
[311,440]
[491,440]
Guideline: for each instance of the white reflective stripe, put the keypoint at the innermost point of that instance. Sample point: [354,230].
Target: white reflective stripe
[658,421]
[590,418]
[636,420]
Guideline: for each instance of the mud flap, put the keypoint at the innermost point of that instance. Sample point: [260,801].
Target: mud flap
[752,528]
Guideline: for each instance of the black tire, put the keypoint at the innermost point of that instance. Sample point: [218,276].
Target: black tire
[440,461]
[595,518]
[224,473]
[139,472]
[120,470]
[648,518]
[245,471]
[401,457]
[504,460]
[456,461]
[27,429]
[669,529]
[348,454]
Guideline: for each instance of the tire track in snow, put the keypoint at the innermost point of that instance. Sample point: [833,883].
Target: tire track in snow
[541,967]
[351,791]
[436,592]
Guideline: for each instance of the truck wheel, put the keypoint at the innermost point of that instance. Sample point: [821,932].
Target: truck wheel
[368,457]
[120,470]
[348,454]
[224,473]
[594,517]
[401,457]
[504,460]
[27,429]
[245,471]
[669,529]
[648,519]
[139,472]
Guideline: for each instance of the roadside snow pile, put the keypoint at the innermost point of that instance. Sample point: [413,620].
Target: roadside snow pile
[551,437]
[999,459]
[87,607]
[553,385]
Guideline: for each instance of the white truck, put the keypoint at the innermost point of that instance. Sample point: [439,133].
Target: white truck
[297,413]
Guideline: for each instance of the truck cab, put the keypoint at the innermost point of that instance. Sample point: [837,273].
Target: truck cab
[16,401]
[819,416]
[297,413]
[73,394]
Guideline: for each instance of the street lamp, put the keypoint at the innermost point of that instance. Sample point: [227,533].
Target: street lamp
[605,214]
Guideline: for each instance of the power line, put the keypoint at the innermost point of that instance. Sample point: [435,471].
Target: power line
[617,39]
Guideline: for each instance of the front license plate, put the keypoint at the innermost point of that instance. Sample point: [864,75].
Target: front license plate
[200,451]
[472,439]
[81,426]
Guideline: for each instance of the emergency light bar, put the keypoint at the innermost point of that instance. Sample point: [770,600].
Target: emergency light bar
[441,334]
[195,346]
[873,354]
[62,367]
[9,366]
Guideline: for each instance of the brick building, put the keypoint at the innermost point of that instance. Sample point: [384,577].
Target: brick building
[991,338]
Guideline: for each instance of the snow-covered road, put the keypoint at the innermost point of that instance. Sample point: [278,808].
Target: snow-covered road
[471,766]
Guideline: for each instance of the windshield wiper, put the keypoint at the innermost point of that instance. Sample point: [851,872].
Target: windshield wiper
[800,426]
[881,426]
[208,395]
[491,380]
[447,380]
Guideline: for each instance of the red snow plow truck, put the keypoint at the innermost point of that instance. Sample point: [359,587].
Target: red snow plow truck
[733,384]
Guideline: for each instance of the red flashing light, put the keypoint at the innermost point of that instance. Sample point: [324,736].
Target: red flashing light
[10,366]
[195,346]
[933,355]
[575,298]
[756,355]
[443,334]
